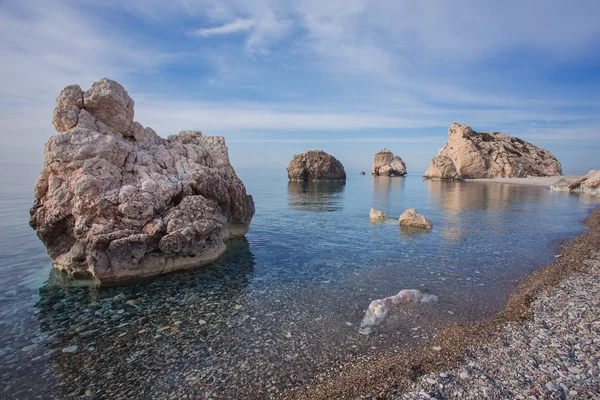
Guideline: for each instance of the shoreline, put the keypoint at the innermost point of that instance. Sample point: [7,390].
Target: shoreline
[545,181]
[391,374]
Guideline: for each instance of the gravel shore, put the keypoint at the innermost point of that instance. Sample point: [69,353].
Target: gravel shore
[556,355]
[544,344]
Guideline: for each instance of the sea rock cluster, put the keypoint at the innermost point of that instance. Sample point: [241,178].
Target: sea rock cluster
[117,201]
[470,155]
[589,183]
[315,165]
[386,164]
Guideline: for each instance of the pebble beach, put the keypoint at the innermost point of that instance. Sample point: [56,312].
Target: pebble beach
[544,344]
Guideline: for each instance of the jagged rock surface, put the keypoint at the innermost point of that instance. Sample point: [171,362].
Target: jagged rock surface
[315,165]
[117,201]
[386,164]
[489,155]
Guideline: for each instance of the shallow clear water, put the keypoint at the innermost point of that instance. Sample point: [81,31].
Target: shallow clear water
[282,305]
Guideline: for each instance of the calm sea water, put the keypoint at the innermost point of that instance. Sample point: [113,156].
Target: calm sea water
[282,305]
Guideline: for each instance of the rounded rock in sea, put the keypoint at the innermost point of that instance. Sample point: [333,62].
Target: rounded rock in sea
[116,201]
[413,219]
[315,165]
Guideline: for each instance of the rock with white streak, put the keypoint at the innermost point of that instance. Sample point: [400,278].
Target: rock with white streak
[116,201]
[489,155]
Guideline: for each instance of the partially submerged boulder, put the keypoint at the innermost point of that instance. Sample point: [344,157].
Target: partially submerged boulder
[411,218]
[589,183]
[386,164]
[562,185]
[379,309]
[315,165]
[377,215]
[117,201]
[470,155]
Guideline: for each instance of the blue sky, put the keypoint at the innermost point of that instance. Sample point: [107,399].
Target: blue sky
[278,78]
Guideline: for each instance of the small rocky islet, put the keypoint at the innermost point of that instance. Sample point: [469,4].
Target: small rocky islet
[472,155]
[315,166]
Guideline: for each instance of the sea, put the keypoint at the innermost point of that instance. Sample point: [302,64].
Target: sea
[284,305]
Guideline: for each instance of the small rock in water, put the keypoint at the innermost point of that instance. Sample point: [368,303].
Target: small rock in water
[202,322]
[464,375]
[70,349]
[443,374]
[349,323]
[436,348]
[29,348]
[551,386]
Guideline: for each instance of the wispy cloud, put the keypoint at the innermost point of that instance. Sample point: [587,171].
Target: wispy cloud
[239,25]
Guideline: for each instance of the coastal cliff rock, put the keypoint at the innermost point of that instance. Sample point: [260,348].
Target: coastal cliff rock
[117,201]
[315,165]
[386,164]
[589,183]
[412,218]
[470,155]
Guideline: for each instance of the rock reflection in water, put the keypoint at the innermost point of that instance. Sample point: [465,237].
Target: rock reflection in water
[387,192]
[316,196]
[104,338]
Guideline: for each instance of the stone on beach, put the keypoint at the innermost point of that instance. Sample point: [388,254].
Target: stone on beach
[377,215]
[379,309]
[471,155]
[117,201]
[412,218]
[315,165]
[386,164]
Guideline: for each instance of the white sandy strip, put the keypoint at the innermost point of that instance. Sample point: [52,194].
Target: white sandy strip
[534,181]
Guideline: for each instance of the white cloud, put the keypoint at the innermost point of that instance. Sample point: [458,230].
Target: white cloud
[239,25]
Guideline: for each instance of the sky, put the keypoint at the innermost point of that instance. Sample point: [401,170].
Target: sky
[277,78]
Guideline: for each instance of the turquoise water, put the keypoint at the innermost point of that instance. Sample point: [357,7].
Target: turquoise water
[282,305]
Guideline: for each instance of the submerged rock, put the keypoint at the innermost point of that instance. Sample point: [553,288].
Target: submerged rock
[386,164]
[469,154]
[117,201]
[379,309]
[562,185]
[377,215]
[315,165]
[412,218]
[362,172]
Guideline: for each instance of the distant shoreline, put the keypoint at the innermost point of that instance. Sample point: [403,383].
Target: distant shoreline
[389,375]
[531,181]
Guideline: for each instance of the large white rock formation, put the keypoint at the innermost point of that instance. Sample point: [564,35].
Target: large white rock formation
[117,201]
[469,154]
